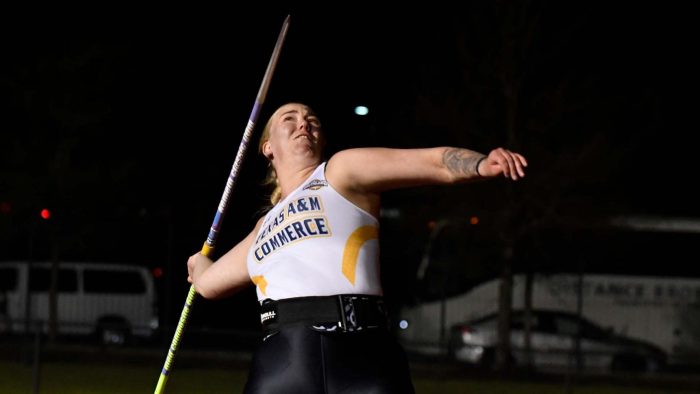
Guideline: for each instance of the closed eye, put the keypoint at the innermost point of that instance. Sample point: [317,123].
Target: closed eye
[314,122]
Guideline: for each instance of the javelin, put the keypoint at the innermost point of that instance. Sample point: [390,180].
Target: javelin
[208,246]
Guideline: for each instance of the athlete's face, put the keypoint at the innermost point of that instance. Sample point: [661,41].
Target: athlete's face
[295,132]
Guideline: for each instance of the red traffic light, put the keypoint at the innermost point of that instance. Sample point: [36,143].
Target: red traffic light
[45,214]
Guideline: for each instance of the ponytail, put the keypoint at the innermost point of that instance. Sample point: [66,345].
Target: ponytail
[271,177]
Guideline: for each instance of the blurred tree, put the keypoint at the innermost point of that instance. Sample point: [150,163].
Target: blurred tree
[61,94]
[534,77]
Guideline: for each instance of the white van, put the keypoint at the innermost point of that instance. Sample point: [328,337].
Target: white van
[112,301]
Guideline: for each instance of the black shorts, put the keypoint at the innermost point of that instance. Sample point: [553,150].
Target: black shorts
[298,359]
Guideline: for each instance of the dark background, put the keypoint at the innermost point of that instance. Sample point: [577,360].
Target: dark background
[125,125]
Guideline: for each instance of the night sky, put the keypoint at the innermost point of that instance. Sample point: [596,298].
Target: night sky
[127,130]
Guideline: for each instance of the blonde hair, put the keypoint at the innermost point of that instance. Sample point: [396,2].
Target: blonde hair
[271,177]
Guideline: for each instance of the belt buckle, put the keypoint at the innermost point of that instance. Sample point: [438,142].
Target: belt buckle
[348,317]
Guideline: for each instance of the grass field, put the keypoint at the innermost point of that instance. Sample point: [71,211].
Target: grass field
[74,378]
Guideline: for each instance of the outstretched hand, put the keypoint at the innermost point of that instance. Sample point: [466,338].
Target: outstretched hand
[502,161]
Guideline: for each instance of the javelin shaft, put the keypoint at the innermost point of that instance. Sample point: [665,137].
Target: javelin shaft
[208,246]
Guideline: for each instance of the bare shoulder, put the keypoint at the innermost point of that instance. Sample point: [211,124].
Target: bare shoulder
[342,167]
[346,172]
[258,224]
[354,160]
[345,157]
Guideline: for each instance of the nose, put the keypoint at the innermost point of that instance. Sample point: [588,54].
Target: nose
[305,125]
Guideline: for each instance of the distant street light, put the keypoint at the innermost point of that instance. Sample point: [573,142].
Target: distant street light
[361,110]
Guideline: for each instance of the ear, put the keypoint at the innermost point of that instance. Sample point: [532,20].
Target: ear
[267,150]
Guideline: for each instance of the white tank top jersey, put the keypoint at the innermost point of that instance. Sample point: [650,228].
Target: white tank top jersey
[315,242]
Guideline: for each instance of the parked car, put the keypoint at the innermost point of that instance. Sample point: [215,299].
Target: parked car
[113,302]
[553,338]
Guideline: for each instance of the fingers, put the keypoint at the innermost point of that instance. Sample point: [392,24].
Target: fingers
[520,163]
[512,164]
[190,266]
[509,169]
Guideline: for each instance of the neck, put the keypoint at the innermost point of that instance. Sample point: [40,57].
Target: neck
[291,177]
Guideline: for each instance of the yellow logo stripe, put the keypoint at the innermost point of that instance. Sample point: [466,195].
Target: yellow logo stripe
[260,281]
[352,249]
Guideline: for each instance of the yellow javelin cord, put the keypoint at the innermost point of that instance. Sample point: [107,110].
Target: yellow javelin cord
[176,341]
[206,251]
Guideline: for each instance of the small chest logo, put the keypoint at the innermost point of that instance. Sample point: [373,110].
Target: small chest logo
[315,184]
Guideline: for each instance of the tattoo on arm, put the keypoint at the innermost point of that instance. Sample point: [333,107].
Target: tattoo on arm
[461,162]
